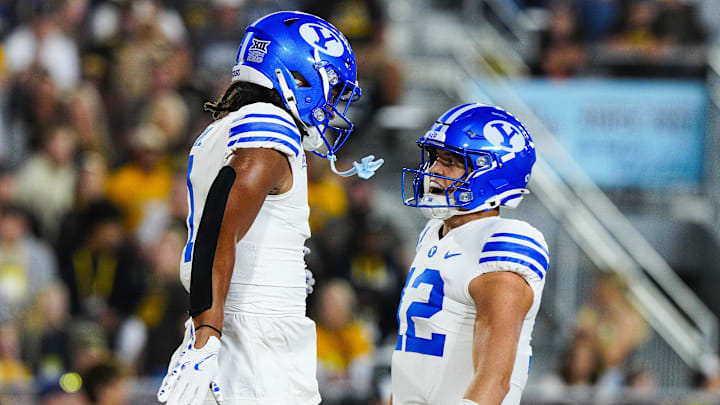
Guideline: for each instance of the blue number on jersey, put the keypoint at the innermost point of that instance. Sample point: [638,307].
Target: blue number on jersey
[436,344]
[189,245]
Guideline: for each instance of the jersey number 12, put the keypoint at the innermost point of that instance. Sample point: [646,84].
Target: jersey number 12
[436,344]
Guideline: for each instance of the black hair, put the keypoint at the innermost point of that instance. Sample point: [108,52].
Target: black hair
[240,94]
[99,377]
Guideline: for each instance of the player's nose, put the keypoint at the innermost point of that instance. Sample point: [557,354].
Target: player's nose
[436,168]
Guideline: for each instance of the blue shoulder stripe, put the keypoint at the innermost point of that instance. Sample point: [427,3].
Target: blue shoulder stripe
[522,237]
[265,139]
[265,127]
[277,117]
[517,248]
[512,260]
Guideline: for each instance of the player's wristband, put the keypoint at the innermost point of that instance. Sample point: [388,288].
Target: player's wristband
[211,327]
[466,401]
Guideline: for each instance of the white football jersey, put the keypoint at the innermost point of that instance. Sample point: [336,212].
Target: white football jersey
[269,273]
[432,362]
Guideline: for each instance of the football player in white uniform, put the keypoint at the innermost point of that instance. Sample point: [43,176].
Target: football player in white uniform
[248,340]
[468,308]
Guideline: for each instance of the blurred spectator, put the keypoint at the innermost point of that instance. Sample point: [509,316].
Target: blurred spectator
[161,215]
[638,30]
[106,384]
[36,106]
[678,23]
[150,31]
[363,22]
[580,367]
[91,179]
[47,179]
[163,309]
[12,370]
[88,346]
[46,333]
[51,392]
[103,273]
[27,264]
[344,347]
[562,53]
[165,108]
[254,9]
[326,195]
[376,275]
[598,18]
[217,43]
[71,15]
[112,20]
[8,185]
[41,42]
[89,188]
[87,108]
[147,175]
[618,327]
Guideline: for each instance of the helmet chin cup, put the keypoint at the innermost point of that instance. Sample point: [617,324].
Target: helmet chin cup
[312,140]
[441,213]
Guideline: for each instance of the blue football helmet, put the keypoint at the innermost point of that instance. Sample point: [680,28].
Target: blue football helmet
[498,154]
[313,68]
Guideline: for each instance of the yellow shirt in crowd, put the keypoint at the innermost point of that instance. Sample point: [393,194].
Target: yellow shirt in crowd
[336,350]
[131,188]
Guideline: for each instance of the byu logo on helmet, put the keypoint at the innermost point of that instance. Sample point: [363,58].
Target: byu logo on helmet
[504,135]
[322,38]
[498,155]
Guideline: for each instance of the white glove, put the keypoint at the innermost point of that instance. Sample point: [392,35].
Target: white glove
[466,401]
[191,372]
[309,279]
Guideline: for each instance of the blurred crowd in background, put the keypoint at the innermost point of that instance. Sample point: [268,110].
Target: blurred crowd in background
[101,100]
[641,38]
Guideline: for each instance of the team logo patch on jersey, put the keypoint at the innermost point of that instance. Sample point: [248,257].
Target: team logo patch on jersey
[504,135]
[322,39]
[257,50]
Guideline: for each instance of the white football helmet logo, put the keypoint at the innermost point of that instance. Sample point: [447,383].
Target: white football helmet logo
[504,135]
[322,39]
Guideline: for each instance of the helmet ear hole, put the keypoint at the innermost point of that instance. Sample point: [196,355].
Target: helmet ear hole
[300,80]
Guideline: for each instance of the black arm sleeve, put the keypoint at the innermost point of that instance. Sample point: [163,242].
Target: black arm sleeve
[207,239]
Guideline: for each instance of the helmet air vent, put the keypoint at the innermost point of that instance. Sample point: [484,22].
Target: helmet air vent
[290,21]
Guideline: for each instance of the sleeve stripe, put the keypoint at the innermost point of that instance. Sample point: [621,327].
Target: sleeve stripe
[512,260]
[265,139]
[277,117]
[252,118]
[516,256]
[523,237]
[266,134]
[517,248]
[527,244]
[267,127]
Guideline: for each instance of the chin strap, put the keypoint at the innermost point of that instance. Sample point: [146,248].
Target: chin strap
[364,169]
[313,140]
